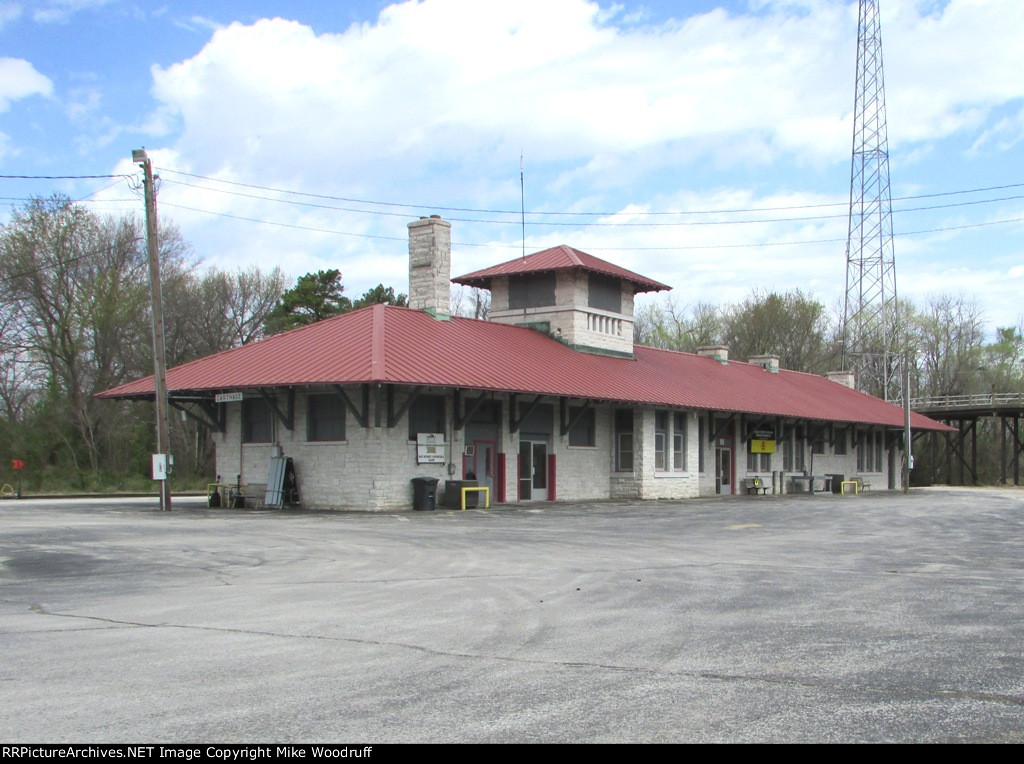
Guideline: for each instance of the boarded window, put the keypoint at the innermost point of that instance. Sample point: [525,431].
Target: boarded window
[839,443]
[257,421]
[426,414]
[488,412]
[605,293]
[818,444]
[582,433]
[539,421]
[533,290]
[325,418]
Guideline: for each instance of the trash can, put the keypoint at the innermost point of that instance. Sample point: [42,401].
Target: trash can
[424,493]
[837,483]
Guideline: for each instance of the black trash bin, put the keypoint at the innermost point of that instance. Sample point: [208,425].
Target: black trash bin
[424,493]
[837,483]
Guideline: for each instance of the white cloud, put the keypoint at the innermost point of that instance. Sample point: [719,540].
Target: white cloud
[19,79]
[9,12]
[435,100]
[198,24]
[946,69]
[61,11]
[1003,135]
[447,79]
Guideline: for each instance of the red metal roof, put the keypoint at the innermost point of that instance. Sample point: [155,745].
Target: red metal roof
[386,344]
[558,258]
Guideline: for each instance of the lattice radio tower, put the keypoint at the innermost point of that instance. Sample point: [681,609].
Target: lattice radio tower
[870,320]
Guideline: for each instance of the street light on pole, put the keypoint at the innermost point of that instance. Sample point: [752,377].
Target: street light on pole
[161,459]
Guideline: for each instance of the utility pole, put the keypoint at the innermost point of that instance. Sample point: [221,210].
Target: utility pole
[161,459]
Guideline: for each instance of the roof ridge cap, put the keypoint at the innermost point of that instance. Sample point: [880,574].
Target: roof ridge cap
[574,255]
[378,356]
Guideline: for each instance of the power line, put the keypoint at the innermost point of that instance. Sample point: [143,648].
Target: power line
[637,213]
[60,177]
[621,224]
[436,208]
[590,249]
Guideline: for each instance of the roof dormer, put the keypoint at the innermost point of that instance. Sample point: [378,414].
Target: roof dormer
[576,298]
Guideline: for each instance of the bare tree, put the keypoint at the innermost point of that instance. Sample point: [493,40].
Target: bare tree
[950,338]
[77,284]
[470,302]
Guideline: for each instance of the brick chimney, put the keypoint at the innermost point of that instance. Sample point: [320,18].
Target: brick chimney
[766,362]
[845,378]
[719,352]
[430,266]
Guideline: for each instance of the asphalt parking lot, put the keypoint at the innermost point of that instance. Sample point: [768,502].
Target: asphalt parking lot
[876,618]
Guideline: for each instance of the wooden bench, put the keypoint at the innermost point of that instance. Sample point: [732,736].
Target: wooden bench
[235,496]
[755,484]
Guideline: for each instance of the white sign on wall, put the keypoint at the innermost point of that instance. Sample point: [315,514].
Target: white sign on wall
[227,397]
[430,448]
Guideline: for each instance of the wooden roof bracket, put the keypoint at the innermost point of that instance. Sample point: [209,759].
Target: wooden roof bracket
[394,416]
[812,434]
[210,415]
[362,417]
[714,435]
[566,423]
[840,428]
[513,422]
[287,418]
[748,425]
[474,405]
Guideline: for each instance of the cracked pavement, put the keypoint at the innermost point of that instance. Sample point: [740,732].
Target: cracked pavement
[878,618]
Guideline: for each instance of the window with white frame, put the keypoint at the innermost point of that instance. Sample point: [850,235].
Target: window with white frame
[701,436]
[793,450]
[679,441]
[870,449]
[624,440]
[755,464]
[661,441]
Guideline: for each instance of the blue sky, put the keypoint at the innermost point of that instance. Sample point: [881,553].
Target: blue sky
[307,135]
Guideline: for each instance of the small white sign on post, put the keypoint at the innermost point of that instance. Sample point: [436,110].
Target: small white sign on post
[430,448]
[159,466]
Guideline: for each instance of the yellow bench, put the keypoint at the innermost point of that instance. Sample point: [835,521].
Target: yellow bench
[476,488]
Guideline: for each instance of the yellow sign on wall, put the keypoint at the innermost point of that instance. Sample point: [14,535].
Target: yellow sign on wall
[762,446]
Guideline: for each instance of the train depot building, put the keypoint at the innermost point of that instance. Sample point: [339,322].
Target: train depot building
[547,400]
